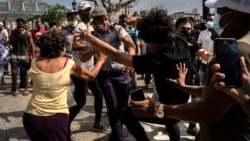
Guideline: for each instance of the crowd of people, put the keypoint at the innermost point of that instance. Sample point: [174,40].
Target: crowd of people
[105,57]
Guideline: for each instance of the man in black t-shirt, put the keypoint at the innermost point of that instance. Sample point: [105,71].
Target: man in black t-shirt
[167,51]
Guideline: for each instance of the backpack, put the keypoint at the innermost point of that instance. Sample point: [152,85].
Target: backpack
[4,54]
[132,34]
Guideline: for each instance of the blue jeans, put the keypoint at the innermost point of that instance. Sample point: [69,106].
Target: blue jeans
[1,73]
[21,68]
[202,73]
[116,90]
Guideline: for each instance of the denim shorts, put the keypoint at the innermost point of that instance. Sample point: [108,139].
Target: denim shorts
[21,66]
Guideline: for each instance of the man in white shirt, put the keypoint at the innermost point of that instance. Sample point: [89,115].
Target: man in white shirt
[207,43]
[83,53]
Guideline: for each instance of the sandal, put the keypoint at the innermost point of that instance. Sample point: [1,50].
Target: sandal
[15,93]
[26,93]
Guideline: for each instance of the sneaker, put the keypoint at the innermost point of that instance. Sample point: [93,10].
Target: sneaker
[72,138]
[100,127]
[26,93]
[4,82]
[192,131]
[15,93]
[145,87]
[1,95]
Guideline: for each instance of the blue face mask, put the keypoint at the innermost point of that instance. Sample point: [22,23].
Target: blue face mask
[218,29]
[210,25]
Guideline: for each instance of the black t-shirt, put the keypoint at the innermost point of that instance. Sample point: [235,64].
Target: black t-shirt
[195,47]
[163,65]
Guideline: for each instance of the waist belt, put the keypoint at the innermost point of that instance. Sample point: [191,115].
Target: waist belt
[19,57]
[111,73]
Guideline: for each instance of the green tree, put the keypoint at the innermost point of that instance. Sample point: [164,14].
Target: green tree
[54,14]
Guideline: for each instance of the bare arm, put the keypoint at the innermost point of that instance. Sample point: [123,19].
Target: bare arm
[211,108]
[108,50]
[192,89]
[204,54]
[180,81]
[31,42]
[77,43]
[138,47]
[129,44]
[85,74]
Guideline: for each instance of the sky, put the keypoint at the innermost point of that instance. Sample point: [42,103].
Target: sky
[171,5]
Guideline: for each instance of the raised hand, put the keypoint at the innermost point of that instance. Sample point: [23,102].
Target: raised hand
[182,72]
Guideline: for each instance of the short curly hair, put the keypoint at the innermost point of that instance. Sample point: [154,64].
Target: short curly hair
[157,27]
[52,43]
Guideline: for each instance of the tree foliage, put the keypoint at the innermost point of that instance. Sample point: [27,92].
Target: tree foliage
[112,6]
[54,14]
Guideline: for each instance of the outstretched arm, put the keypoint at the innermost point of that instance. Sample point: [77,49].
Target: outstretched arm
[180,81]
[107,49]
[85,74]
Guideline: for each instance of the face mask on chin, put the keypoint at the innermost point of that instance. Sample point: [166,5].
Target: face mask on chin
[216,23]
[73,23]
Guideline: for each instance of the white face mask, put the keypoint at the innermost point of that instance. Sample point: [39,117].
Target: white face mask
[218,29]
[73,23]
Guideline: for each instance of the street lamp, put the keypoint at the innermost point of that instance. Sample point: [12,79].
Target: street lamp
[74,5]
[205,10]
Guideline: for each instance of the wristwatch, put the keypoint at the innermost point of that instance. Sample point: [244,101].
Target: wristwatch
[159,110]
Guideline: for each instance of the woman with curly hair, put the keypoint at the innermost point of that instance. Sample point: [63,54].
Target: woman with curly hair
[46,116]
[158,31]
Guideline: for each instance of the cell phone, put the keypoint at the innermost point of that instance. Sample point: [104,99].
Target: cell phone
[137,95]
[226,51]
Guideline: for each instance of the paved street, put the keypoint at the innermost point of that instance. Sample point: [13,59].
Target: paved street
[11,129]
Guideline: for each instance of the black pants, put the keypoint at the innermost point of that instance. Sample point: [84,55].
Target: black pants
[80,95]
[135,128]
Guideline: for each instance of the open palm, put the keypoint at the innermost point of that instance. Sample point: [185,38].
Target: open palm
[182,72]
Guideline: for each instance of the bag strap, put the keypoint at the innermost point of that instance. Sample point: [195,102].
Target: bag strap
[65,63]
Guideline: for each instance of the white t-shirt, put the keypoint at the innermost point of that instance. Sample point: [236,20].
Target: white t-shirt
[77,55]
[206,42]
